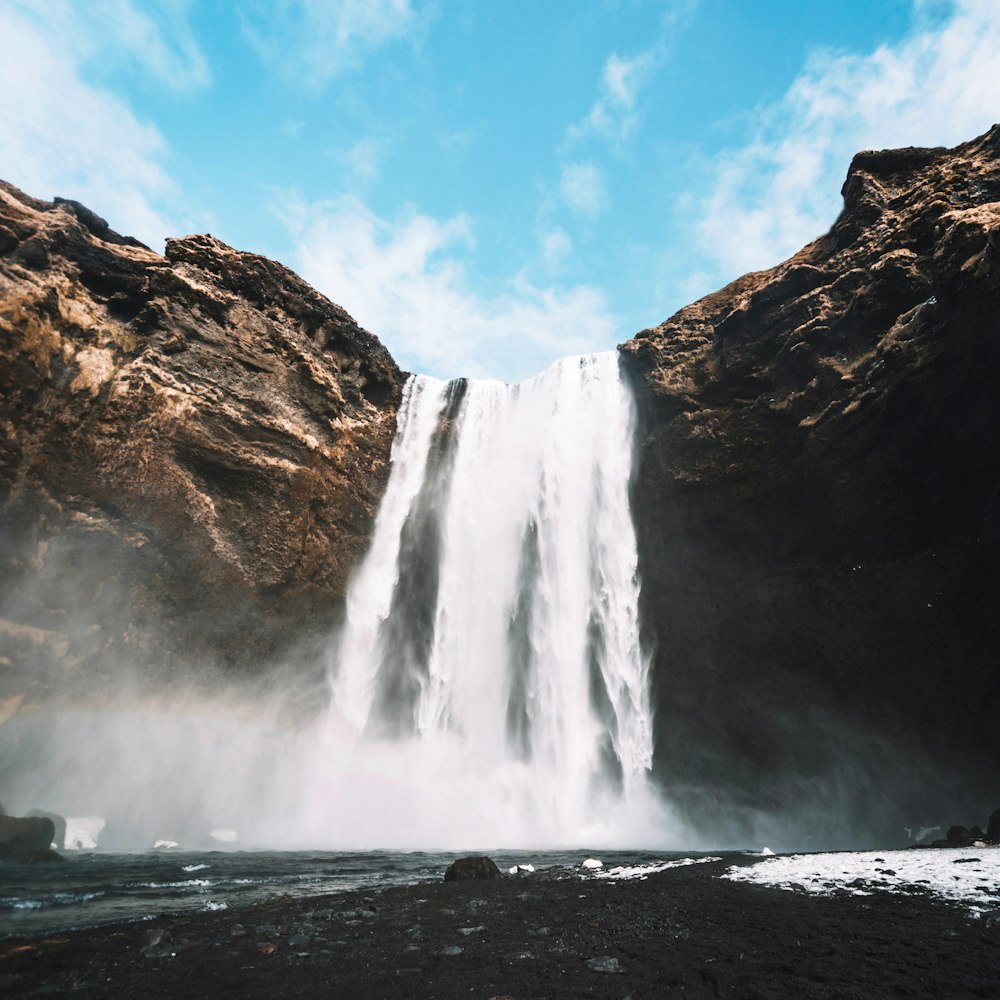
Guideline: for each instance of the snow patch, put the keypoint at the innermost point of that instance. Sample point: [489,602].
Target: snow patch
[642,871]
[969,876]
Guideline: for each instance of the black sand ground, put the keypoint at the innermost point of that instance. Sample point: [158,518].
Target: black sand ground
[680,933]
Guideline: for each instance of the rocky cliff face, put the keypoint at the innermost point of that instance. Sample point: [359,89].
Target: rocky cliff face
[818,506]
[192,448]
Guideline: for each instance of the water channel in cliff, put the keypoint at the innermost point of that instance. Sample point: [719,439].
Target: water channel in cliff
[489,685]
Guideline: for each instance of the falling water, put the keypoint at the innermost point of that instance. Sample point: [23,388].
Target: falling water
[489,686]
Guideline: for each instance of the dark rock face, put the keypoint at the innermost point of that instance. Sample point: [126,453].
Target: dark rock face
[818,508]
[25,837]
[192,449]
[993,827]
[471,867]
[58,825]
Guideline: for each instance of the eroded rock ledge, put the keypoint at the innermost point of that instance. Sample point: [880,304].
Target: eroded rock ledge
[192,448]
[818,506]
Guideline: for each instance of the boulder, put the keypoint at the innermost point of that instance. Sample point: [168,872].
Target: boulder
[958,835]
[59,822]
[471,867]
[21,836]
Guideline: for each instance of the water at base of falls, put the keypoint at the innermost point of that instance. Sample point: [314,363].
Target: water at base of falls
[489,686]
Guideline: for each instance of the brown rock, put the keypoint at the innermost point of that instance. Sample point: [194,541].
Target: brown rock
[192,448]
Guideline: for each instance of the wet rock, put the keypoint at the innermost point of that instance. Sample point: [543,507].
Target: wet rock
[38,857]
[21,836]
[603,963]
[472,930]
[298,940]
[158,943]
[473,867]
[452,950]
[958,835]
[59,822]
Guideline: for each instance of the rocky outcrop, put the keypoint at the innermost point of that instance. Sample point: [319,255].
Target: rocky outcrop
[25,838]
[818,507]
[192,448]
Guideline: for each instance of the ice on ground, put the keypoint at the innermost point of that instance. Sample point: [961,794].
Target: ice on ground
[642,871]
[82,832]
[592,863]
[970,876]
[518,869]
[767,852]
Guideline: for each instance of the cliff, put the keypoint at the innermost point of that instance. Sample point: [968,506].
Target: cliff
[192,449]
[818,506]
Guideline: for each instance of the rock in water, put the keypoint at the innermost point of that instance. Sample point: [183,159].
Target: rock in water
[58,822]
[24,836]
[471,867]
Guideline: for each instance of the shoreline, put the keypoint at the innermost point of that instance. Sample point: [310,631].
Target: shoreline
[682,931]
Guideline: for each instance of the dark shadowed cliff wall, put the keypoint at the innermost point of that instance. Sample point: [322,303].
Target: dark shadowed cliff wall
[818,507]
[192,448]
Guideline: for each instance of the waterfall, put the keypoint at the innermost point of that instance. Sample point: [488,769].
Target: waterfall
[489,685]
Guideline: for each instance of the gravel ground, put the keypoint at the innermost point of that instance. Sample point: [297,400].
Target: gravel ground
[682,931]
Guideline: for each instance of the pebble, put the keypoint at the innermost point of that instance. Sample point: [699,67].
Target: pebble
[451,950]
[297,940]
[471,930]
[604,963]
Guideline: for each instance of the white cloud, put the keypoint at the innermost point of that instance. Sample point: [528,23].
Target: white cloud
[613,115]
[939,85]
[61,134]
[313,41]
[404,282]
[582,188]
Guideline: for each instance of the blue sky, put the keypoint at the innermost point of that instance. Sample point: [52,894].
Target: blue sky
[486,185]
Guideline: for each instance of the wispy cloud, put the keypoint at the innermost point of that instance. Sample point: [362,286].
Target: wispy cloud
[62,134]
[614,116]
[938,86]
[404,280]
[582,188]
[314,41]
